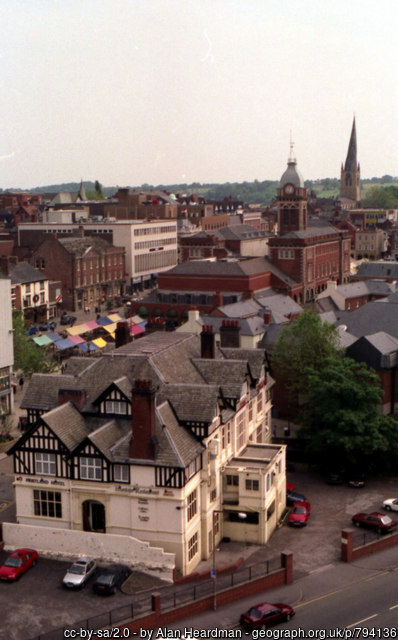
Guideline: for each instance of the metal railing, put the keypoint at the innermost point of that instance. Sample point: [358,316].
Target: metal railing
[172,597]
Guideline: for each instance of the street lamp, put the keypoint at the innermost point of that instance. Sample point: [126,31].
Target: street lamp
[241,516]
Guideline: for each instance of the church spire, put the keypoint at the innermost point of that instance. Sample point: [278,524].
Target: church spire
[351,160]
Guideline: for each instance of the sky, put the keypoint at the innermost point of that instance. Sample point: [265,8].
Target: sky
[179,91]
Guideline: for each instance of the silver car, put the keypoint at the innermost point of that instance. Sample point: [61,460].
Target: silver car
[78,574]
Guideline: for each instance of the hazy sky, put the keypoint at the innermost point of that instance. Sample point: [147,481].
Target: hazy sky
[169,91]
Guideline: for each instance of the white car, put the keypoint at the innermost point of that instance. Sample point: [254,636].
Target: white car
[391,504]
[78,574]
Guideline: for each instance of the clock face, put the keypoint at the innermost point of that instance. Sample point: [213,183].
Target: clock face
[289,188]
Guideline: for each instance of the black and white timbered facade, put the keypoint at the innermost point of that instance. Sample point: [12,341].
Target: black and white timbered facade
[136,442]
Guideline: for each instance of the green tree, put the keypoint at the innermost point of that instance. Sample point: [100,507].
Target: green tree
[304,344]
[381,198]
[341,421]
[28,357]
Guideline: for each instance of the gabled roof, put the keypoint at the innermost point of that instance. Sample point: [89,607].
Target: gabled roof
[193,402]
[378,269]
[67,423]
[24,273]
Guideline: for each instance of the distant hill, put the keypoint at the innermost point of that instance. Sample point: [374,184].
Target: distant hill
[249,192]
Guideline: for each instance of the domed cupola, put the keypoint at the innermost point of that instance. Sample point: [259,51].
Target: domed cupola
[292,175]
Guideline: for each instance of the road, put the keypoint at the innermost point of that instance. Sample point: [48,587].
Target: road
[362,594]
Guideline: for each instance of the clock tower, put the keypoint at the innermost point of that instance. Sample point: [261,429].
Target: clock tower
[292,199]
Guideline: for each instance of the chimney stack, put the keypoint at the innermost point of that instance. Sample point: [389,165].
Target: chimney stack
[75,396]
[122,334]
[267,317]
[207,342]
[143,444]
[230,334]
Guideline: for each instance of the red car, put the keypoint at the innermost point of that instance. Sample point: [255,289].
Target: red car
[17,563]
[266,615]
[377,521]
[300,513]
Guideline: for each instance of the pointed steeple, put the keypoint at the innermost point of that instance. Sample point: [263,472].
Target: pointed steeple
[81,194]
[350,182]
[351,160]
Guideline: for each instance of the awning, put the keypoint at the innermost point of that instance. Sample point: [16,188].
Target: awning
[110,328]
[115,317]
[135,330]
[104,321]
[64,344]
[54,336]
[76,339]
[87,347]
[92,324]
[42,341]
[136,319]
[100,342]
[77,330]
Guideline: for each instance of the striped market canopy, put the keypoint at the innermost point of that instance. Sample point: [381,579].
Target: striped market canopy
[115,317]
[135,330]
[104,321]
[92,324]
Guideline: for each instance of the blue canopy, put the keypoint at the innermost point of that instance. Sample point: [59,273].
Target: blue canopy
[64,344]
[104,321]
[87,347]
[54,336]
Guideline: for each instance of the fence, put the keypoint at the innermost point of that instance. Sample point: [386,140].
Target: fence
[355,544]
[173,597]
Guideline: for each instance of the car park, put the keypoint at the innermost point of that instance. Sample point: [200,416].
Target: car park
[379,522]
[79,573]
[391,504]
[17,563]
[266,615]
[109,579]
[298,517]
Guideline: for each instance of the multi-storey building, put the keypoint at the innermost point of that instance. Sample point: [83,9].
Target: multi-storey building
[29,289]
[142,205]
[370,243]
[6,348]
[310,252]
[162,440]
[151,247]
[90,268]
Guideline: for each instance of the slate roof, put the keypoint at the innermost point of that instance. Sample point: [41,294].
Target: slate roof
[193,402]
[236,268]
[378,269]
[80,246]
[24,273]
[164,358]
[67,423]
[371,316]
[363,288]
[242,232]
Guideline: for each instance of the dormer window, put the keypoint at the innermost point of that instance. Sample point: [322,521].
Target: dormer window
[90,468]
[116,406]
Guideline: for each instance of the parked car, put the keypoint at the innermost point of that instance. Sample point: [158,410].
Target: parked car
[48,325]
[109,579]
[266,615]
[293,496]
[356,480]
[17,563]
[391,504]
[334,476]
[377,521]
[65,319]
[32,330]
[298,517]
[79,573]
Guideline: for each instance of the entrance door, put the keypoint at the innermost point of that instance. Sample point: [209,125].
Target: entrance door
[93,516]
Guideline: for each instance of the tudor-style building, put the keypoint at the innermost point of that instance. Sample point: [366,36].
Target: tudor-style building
[152,441]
